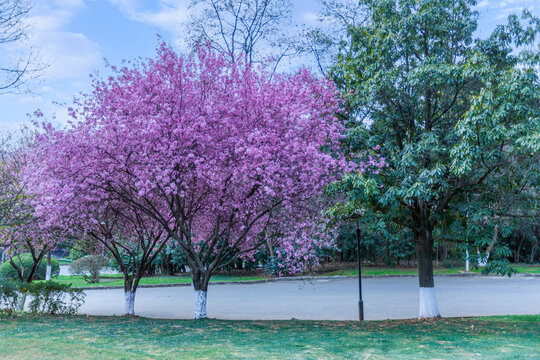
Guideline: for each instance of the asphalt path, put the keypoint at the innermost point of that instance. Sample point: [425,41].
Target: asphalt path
[329,299]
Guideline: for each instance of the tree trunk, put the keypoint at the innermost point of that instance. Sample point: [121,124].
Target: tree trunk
[533,254]
[130,302]
[424,254]
[200,284]
[49,268]
[129,294]
[518,250]
[271,253]
[536,230]
[200,304]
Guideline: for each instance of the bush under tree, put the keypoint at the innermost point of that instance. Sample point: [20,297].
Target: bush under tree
[24,263]
[89,266]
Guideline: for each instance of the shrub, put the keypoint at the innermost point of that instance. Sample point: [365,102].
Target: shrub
[50,297]
[10,295]
[89,266]
[47,297]
[7,271]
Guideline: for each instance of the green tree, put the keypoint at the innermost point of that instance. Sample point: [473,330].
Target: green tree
[452,114]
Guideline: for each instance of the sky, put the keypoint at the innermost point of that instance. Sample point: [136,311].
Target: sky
[74,37]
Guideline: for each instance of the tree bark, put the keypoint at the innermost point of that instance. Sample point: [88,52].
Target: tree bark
[424,255]
[200,304]
[130,288]
[536,231]
[200,278]
[49,268]
[130,302]
[533,254]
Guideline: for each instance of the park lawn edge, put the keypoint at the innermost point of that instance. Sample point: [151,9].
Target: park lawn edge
[171,281]
[132,337]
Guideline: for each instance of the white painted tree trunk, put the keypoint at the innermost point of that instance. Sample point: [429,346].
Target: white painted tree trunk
[428,303]
[467,262]
[200,304]
[48,273]
[130,302]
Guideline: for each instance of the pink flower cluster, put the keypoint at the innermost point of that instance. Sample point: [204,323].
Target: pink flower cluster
[209,149]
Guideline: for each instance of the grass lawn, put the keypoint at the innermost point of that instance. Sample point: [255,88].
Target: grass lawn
[81,337]
[116,280]
[535,269]
[64,261]
[370,271]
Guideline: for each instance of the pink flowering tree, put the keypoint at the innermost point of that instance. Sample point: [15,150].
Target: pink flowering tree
[21,229]
[214,152]
[72,201]
[131,238]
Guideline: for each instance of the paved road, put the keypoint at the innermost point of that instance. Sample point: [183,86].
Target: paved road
[330,299]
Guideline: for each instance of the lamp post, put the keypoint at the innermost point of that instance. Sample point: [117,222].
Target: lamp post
[360,301]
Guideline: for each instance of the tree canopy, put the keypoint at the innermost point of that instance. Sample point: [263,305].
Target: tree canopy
[453,115]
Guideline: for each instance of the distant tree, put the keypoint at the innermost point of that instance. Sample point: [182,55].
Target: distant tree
[15,69]
[329,37]
[89,266]
[12,187]
[452,115]
[21,230]
[255,29]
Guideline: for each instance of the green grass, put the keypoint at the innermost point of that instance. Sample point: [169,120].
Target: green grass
[61,337]
[532,269]
[116,280]
[369,271]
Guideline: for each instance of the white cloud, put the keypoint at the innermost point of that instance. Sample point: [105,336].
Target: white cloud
[168,14]
[65,54]
[30,100]
[310,18]
[482,4]
[70,57]
[503,8]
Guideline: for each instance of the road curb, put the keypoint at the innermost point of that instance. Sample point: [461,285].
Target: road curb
[294,278]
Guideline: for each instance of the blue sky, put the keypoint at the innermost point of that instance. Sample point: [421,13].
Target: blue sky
[74,36]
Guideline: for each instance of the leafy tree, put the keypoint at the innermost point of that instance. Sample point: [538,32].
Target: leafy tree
[452,115]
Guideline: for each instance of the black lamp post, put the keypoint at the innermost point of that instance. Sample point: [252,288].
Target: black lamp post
[360,301]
